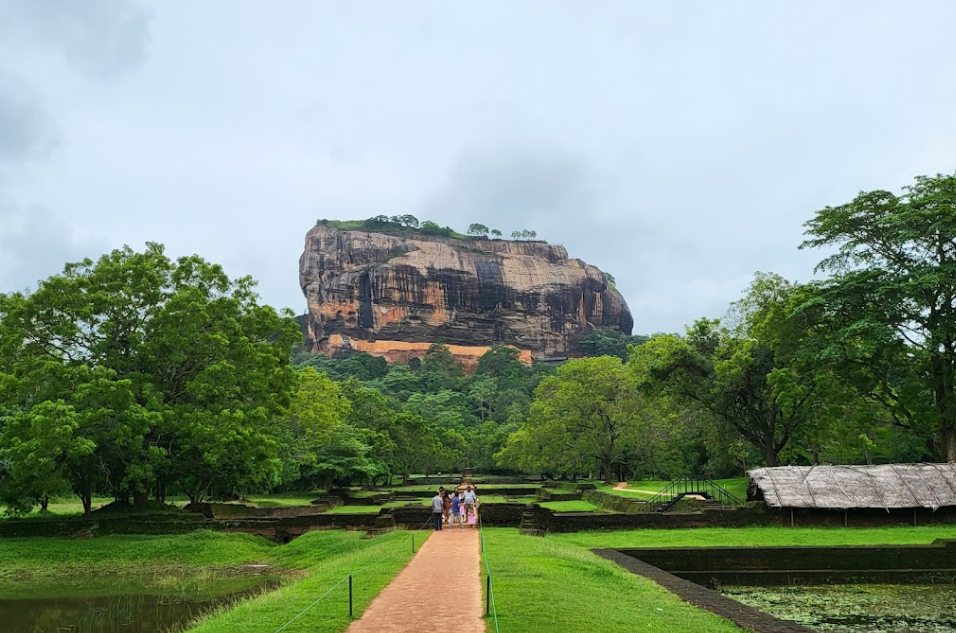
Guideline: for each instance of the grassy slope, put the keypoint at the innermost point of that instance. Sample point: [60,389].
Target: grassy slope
[543,585]
[328,556]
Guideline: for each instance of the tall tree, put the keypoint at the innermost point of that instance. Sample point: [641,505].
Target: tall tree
[738,375]
[168,370]
[585,414]
[893,283]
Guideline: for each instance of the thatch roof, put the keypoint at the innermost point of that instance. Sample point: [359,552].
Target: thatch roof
[840,487]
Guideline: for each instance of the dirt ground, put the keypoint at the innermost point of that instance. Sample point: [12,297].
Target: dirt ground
[439,590]
[621,485]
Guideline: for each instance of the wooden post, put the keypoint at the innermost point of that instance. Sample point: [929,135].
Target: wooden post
[350,596]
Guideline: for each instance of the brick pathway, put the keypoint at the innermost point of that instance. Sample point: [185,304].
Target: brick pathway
[439,590]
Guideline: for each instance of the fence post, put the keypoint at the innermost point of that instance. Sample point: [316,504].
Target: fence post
[350,596]
[488,595]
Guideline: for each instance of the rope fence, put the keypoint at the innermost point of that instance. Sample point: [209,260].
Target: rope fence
[348,577]
[490,585]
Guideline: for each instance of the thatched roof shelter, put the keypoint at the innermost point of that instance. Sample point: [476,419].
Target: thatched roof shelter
[887,486]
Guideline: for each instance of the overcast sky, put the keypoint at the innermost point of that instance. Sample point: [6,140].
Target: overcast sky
[677,145]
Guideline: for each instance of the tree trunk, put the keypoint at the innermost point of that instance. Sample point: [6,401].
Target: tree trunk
[947,437]
[141,493]
[770,456]
[44,503]
[607,469]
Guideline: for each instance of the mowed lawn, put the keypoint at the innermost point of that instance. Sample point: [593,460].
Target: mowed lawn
[557,584]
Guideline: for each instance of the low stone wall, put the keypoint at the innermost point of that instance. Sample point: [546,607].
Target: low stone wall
[609,501]
[80,527]
[710,517]
[567,485]
[863,517]
[550,494]
[439,480]
[767,566]
[234,510]
[284,529]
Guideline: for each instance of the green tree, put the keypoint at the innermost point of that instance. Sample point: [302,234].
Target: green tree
[892,294]
[172,371]
[586,414]
[496,234]
[478,230]
[315,413]
[743,377]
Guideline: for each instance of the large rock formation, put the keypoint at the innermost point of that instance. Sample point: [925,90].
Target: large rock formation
[394,294]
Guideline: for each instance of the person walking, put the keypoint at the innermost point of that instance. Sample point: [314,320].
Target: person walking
[456,513]
[446,507]
[437,507]
[469,499]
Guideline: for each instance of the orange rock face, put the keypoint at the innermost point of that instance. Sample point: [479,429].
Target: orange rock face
[403,351]
[394,295]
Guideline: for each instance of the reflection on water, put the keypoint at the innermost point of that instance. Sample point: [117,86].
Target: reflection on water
[857,608]
[104,611]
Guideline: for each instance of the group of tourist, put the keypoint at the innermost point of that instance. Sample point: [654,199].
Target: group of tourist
[450,507]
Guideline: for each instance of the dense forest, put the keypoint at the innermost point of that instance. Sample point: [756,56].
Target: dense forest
[136,376]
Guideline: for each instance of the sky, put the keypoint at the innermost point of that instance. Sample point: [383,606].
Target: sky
[679,146]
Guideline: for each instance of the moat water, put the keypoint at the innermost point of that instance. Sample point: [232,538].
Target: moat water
[857,608]
[123,604]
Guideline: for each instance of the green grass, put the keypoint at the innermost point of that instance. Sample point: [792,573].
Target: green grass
[115,553]
[354,510]
[758,536]
[556,583]
[736,486]
[543,585]
[311,564]
[329,556]
[283,499]
[570,506]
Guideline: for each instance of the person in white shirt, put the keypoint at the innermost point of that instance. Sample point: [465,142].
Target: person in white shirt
[437,510]
[470,501]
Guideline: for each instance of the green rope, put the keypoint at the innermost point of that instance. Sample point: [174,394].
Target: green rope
[491,580]
[343,579]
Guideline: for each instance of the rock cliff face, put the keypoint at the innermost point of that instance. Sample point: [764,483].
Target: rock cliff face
[393,295]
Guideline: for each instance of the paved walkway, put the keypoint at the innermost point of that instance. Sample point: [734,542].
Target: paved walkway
[439,590]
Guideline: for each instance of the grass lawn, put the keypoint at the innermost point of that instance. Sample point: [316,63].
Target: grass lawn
[570,506]
[543,585]
[762,536]
[328,556]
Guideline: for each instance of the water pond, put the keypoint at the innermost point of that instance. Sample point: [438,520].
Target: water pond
[857,608]
[159,603]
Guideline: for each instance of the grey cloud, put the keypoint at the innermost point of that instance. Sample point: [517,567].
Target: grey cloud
[35,244]
[511,187]
[103,38]
[26,129]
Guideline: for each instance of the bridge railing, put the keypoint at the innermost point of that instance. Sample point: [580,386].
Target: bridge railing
[681,486]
